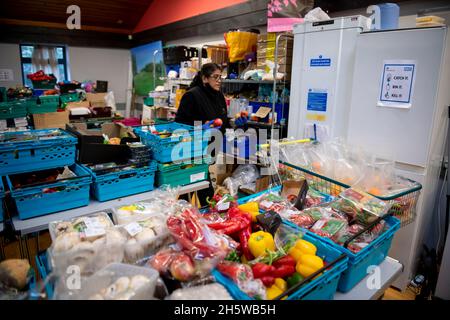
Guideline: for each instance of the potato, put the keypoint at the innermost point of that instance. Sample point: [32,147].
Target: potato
[14,273]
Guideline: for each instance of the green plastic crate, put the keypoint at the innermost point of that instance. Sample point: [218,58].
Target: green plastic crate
[44,84]
[42,108]
[13,109]
[70,97]
[180,174]
[52,99]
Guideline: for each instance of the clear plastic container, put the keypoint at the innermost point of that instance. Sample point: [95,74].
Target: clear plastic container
[145,238]
[70,250]
[98,220]
[117,281]
[136,212]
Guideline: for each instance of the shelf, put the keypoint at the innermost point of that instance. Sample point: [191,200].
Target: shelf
[389,270]
[265,125]
[253,81]
[28,226]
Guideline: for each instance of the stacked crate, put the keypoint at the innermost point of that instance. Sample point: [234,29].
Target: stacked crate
[265,50]
[180,151]
[27,154]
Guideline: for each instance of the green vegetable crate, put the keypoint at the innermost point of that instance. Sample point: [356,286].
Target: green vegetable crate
[70,97]
[44,84]
[13,109]
[181,174]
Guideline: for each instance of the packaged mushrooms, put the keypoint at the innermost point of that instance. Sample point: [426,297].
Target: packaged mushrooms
[87,227]
[89,251]
[144,237]
[117,281]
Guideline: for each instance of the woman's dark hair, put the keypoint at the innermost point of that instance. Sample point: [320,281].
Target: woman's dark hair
[207,70]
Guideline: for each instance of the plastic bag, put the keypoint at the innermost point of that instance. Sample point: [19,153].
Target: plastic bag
[162,201]
[174,264]
[242,276]
[196,238]
[286,237]
[110,101]
[308,217]
[316,14]
[239,43]
[212,291]
[364,239]
[315,198]
[367,207]
[272,201]
[329,227]
[243,175]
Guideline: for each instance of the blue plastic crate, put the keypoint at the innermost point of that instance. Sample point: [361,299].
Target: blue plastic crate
[358,263]
[2,196]
[124,183]
[44,269]
[322,287]
[371,255]
[34,201]
[189,144]
[36,153]
[282,110]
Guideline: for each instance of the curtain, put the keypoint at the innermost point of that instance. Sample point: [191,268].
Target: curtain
[45,58]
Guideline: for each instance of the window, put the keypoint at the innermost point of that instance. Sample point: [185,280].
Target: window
[26,55]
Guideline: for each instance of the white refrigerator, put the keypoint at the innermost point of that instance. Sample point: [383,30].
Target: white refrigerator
[399,108]
[322,68]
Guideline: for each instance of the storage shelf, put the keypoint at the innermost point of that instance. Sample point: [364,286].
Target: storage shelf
[37,224]
[253,81]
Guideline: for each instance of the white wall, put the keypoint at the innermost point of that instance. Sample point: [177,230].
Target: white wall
[101,64]
[10,59]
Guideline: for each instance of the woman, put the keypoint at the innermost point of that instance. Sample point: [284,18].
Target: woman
[203,101]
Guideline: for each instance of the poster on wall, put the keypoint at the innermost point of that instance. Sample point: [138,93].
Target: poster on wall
[283,14]
[148,67]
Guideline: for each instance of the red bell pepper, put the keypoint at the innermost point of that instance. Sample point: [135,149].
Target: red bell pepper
[244,235]
[283,261]
[283,271]
[268,281]
[262,270]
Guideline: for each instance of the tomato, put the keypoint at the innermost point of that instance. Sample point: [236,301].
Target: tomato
[218,122]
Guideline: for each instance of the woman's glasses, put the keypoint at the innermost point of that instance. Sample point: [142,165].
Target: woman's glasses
[216,77]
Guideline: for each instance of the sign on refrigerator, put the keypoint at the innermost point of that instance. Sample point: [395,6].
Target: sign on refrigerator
[397,84]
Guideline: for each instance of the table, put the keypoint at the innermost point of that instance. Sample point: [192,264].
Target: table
[389,270]
[35,225]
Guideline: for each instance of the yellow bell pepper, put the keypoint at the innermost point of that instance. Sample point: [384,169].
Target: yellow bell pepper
[308,264]
[302,247]
[276,289]
[252,208]
[281,284]
[259,242]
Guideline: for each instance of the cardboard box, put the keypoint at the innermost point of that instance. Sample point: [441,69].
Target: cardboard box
[96,99]
[91,147]
[51,120]
[219,172]
[79,104]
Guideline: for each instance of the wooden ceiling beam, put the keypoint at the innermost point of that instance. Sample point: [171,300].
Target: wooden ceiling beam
[56,25]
